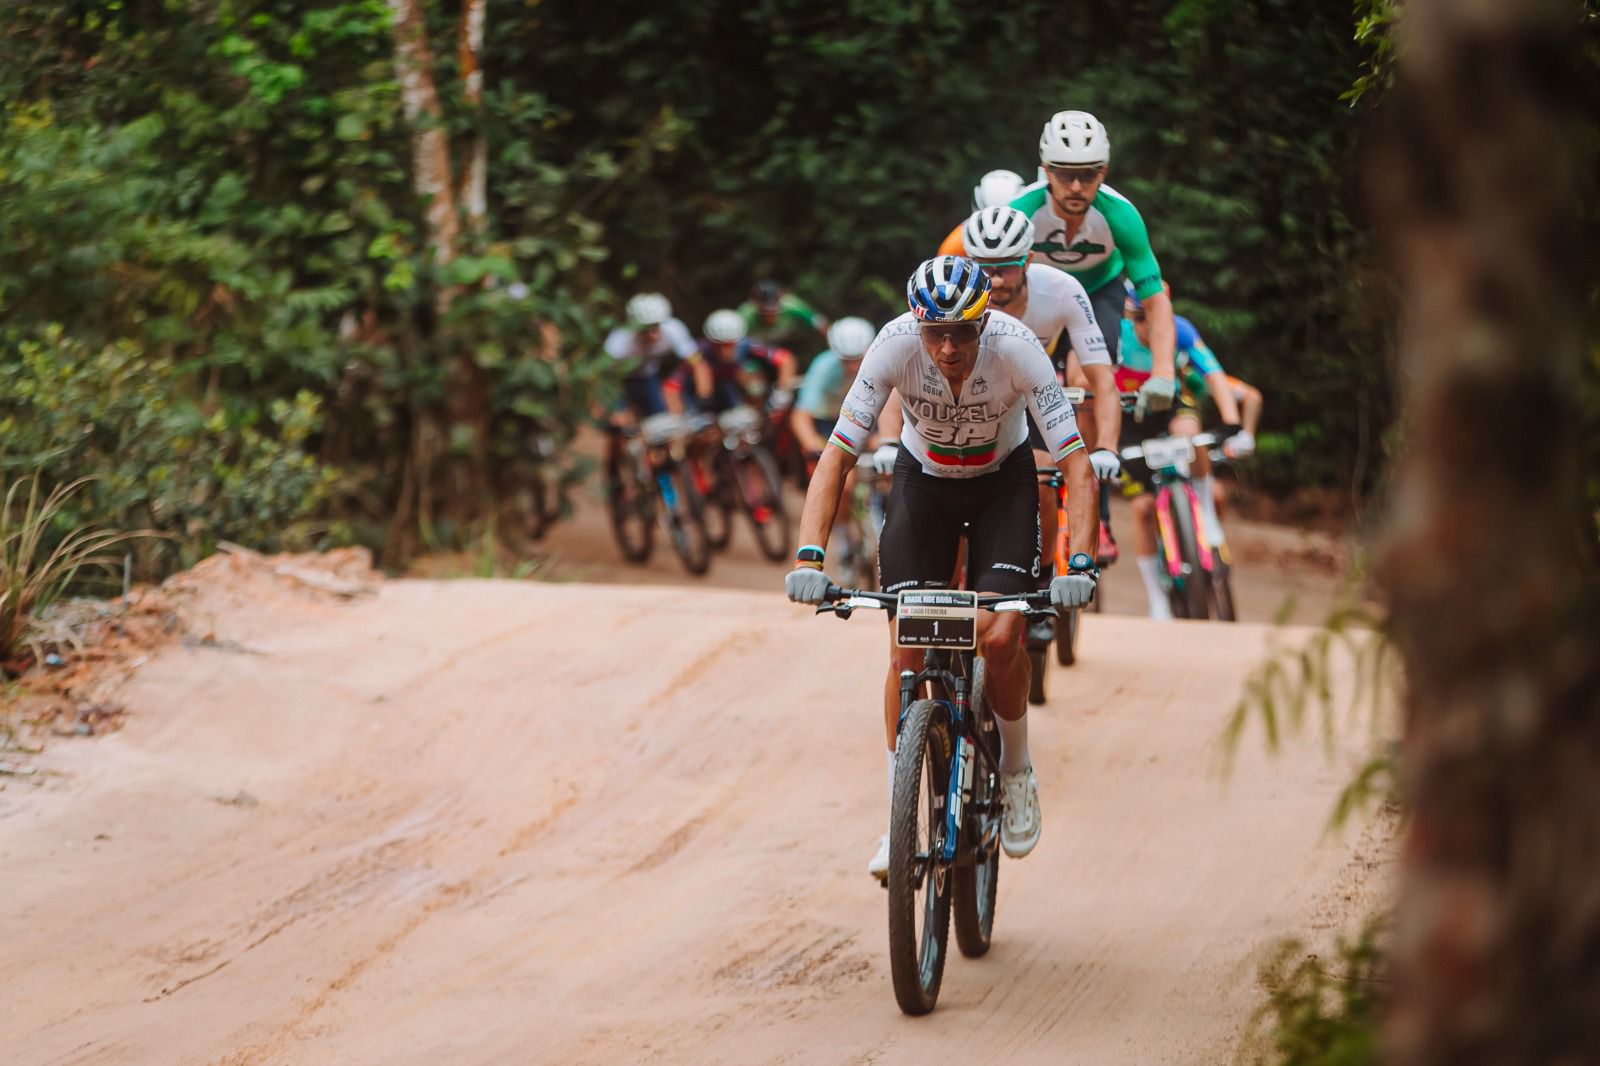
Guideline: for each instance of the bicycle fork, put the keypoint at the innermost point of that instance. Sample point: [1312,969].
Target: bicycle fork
[959,794]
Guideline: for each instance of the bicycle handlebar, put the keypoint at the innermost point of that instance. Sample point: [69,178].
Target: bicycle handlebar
[837,598]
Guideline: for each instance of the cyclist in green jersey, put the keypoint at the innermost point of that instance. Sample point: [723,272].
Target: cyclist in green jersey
[780,319]
[1091,231]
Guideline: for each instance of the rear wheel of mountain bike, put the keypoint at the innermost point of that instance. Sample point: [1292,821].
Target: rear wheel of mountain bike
[1067,635]
[977,883]
[1191,587]
[919,884]
[1036,671]
[683,514]
[631,500]
[759,487]
[1221,586]
[718,498]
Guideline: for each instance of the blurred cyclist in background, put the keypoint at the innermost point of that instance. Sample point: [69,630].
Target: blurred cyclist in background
[780,319]
[827,380]
[1203,376]
[729,369]
[649,345]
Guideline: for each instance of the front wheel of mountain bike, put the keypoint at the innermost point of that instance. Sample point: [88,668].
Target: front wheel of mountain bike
[919,880]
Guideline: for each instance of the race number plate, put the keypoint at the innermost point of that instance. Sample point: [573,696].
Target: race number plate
[936,618]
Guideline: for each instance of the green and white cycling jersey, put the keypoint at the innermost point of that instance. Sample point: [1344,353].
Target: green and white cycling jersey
[796,323]
[1056,302]
[972,435]
[1111,241]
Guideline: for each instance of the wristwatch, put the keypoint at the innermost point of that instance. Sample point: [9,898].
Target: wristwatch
[1080,561]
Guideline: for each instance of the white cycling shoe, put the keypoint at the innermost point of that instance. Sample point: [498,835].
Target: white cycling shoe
[1022,821]
[879,866]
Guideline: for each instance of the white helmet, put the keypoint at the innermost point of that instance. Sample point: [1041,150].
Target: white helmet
[995,188]
[998,233]
[1074,139]
[725,327]
[649,309]
[849,338]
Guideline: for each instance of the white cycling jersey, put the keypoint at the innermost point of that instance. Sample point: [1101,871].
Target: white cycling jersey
[672,339]
[962,438]
[1058,301]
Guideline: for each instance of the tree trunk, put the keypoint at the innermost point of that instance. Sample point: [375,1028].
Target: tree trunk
[430,147]
[475,174]
[450,455]
[1488,565]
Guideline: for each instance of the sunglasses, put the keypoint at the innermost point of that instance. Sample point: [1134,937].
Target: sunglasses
[1081,175]
[996,269]
[958,332]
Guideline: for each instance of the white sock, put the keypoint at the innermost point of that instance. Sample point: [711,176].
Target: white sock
[890,762]
[1150,570]
[1208,510]
[1013,745]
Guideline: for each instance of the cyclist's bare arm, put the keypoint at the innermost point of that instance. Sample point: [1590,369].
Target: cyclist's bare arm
[1222,395]
[1163,335]
[702,378]
[1107,405]
[1083,501]
[1249,404]
[824,495]
[805,431]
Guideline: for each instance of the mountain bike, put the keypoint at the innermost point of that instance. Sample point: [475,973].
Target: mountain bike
[744,478]
[1067,622]
[944,822]
[648,483]
[1196,577]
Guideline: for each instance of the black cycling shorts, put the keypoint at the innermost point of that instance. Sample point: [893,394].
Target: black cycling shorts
[926,516]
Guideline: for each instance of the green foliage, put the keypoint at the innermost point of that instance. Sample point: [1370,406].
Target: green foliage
[1317,1016]
[226,186]
[162,460]
[42,551]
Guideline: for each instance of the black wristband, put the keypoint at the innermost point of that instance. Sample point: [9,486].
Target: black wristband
[809,554]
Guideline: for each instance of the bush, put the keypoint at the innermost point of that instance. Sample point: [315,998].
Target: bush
[160,458]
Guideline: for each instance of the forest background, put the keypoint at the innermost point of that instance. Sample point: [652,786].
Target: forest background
[296,272]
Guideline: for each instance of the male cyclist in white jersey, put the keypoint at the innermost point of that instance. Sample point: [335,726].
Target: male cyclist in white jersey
[968,378]
[1049,302]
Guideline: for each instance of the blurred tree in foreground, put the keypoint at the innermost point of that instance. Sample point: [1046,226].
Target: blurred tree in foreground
[1490,574]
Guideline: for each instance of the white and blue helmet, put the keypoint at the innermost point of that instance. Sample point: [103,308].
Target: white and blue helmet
[948,288]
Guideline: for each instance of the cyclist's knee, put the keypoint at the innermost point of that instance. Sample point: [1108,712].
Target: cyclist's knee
[1143,506]
[1184,425]
[1002,637]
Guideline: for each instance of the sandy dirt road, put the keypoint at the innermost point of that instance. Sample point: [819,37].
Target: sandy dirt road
[503,822]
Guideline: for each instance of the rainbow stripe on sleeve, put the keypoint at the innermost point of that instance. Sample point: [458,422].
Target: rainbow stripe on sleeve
[840,439]
[1068,446]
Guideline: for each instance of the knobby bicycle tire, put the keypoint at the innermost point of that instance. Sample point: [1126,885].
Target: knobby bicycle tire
[1067,635]
[1221,585]
[630,501]
[916,958]
[760,494]
[1192,596]
[977,883]
[685,522]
